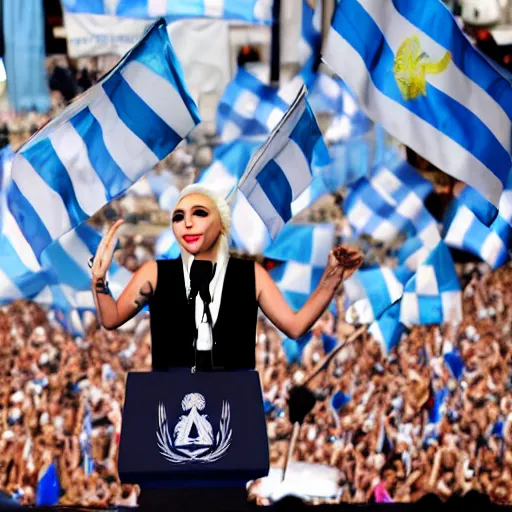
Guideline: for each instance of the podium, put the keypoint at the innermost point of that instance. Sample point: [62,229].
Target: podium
[193,440]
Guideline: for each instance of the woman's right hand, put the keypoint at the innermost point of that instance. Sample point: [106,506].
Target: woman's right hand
[105,252]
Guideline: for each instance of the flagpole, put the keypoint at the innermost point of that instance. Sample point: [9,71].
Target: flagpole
[275,61]
[322,365]
[291,448]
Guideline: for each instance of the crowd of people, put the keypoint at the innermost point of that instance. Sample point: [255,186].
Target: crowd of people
[404,424]
[389,435]
[381,438]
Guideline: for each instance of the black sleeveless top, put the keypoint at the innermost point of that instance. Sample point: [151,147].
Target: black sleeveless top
[173,326]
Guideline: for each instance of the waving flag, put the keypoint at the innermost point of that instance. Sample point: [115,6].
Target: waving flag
[418,75]
[101,144]
[433,295]
[387,329]
[370,291]
[253,11]
[388,202]
[249,108]
[464,229]
[304,250]
[282,169]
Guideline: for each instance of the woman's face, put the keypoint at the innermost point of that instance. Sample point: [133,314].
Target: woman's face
[196,223]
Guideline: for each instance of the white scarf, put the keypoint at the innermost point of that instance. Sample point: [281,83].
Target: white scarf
[204,332]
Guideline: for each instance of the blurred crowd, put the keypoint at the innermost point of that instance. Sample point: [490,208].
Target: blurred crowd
[389,434]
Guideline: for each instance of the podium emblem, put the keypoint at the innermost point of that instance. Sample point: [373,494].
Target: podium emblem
[193,438]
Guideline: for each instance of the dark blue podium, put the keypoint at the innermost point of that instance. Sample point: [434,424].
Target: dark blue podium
[193,440]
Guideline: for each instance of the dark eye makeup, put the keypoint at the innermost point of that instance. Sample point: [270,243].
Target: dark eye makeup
[178,217]
[201,213]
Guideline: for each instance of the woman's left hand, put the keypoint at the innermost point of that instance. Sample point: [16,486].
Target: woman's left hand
[343,262]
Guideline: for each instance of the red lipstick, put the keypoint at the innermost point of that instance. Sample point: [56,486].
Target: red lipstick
[190,239]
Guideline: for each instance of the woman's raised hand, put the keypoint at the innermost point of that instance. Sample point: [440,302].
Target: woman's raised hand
[343,262]
[105,252]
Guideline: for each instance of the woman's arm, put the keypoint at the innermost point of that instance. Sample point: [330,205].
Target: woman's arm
[134,297]
[282,316]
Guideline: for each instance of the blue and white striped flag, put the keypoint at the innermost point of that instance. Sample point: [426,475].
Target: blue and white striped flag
[418,75]
[101,144]
[253,11]
[305,251]
[249,108]
[433,295]
[370,291]
[388,202]
[281,170]
[387,329]
[425,239]
[464,230]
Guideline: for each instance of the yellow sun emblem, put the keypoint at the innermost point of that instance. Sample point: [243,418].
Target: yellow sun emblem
[411,66]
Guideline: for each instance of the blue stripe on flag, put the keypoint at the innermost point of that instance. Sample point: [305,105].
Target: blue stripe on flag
[277,188]
[110,174]
[48,165]
[28,220]
[10,259]
[473,135]
[140,118]
[434,19]
[306,135]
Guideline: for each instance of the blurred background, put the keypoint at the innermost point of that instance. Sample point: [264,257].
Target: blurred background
[413,405]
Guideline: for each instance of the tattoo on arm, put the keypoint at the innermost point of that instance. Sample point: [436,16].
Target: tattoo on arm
[101,286]
[145,293]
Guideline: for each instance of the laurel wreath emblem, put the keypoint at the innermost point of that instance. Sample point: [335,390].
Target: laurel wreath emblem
[177,456]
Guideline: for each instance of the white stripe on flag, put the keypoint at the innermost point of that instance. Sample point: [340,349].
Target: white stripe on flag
[459,227]
[452,81]
[127,149]
[410,309]
[72,152]
[386,231]
[295,167]
[157,8]
[409,128]
[394,286]
[13,233]
[452,307]
[42,198]
[321,245]
[161,97]
[410,207]
[8,290]
[492,248]
[296,278]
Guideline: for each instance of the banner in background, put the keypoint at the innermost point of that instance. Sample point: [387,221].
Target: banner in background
[89,35]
